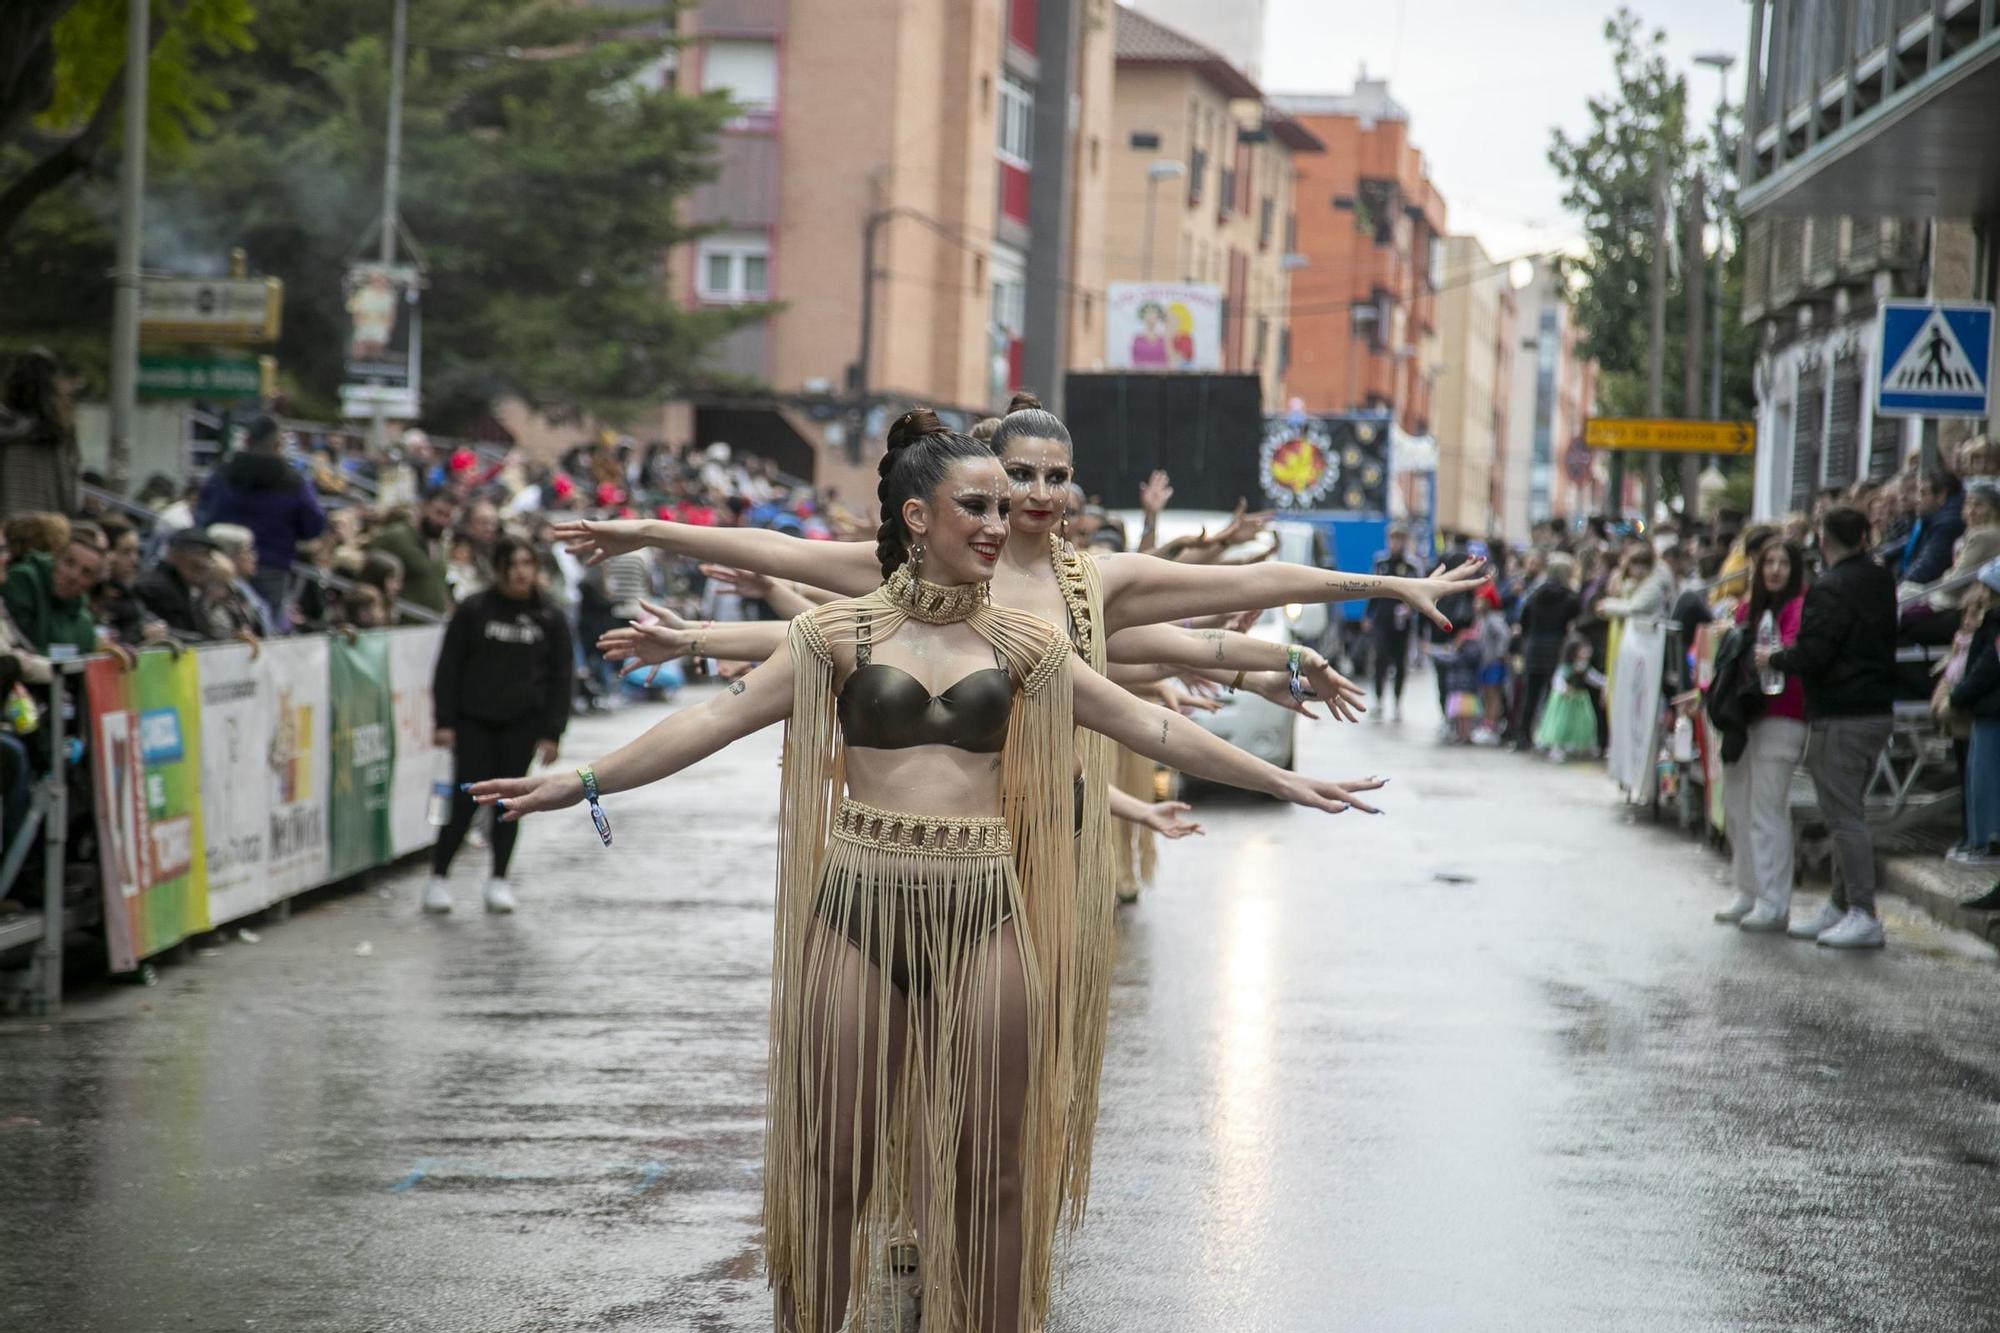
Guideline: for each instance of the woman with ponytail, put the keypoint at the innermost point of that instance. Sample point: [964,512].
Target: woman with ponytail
[1112,608]
[925,914]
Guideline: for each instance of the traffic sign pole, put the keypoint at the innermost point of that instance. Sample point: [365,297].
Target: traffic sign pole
[125,273]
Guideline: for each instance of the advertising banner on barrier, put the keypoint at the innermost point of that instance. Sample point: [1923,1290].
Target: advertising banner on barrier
[1635,708]
[264,773]
[413,652]
[145,767]
[362,753]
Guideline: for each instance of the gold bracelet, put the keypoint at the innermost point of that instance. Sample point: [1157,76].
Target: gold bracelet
[1237,684]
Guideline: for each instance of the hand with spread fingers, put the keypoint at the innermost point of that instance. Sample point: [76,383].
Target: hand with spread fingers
[1164,818]
[516,797]
[595,541]
[1421,595]
[743,582]
[640,645]
[1333,797]
[1156,494]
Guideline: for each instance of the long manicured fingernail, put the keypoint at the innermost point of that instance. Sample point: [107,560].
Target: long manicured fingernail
[465,786]
[501,803]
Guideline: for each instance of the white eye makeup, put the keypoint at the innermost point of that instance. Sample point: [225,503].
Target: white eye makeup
[979,504]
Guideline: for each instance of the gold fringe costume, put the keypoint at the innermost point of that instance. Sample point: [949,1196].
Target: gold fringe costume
[931,890]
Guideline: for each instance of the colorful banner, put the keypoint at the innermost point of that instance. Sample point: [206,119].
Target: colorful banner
[413,654]
[1635,708]
[264,772]
[145,737]
[363,753]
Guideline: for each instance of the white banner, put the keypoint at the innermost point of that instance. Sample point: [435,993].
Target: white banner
[264,773]
[1635,708]
[413,654]
[1163,326]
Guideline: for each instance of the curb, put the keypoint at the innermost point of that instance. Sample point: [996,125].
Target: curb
[1936,887]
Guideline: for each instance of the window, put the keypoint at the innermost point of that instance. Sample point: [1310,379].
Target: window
[1017,121]
[746,70]
[1267,216]
[733,267]
[1197,168]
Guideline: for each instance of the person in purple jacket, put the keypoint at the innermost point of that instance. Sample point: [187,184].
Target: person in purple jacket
[259,489]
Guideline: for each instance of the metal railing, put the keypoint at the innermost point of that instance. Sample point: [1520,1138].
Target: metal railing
[38,989]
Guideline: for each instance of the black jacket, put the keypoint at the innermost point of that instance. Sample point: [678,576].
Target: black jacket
[1732,701]
[1546,615]
[504,663]
[1387,613]
[1846,650]
[162,591]
[1977,693]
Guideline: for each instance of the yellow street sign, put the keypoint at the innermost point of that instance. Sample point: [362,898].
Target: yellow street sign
[1661,435]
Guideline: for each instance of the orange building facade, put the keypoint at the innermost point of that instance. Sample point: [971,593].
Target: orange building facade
[1371,228]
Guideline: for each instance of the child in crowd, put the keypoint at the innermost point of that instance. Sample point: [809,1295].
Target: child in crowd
[1461,662]
[1568,723]
[1495,637]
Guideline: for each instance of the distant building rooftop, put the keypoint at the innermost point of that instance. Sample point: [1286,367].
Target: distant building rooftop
[1370,100]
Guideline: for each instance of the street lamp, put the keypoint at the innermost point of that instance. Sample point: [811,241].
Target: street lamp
[1157,172]
[1719,61]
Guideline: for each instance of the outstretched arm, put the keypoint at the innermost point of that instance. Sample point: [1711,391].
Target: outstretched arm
[1219,653]
[671,636]
[1163,817]
[1145,590]
[1178,743]
[849,568]
[749,704]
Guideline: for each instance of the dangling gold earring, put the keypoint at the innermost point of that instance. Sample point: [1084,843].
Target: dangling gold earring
[917,559]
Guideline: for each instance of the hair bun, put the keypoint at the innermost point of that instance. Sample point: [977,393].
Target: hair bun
[912,426]
[1023,401]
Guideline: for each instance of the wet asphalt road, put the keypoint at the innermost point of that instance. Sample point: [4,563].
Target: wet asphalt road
[1342,1093]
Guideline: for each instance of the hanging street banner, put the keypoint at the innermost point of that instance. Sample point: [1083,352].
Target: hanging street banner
[1664,435]
[362,753]
[1934,359]
[145,768]
[413,651]
[211,310]
[264,773]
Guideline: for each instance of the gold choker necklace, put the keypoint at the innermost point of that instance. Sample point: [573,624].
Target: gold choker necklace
[935,603]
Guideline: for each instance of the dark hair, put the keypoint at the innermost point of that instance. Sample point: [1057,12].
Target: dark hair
[921,450]
[262,435]
[1944,483]
[1847,526]
[1756,539]
[84,532]
[1762,600]
[983,428]
[1027,419]
[114,528]
[32,388]
[504,547]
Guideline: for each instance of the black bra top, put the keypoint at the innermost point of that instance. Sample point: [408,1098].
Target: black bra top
[884,707]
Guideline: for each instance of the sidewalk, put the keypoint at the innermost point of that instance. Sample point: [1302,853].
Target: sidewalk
[1936,886]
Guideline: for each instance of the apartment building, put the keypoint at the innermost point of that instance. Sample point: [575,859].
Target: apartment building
[1477,340]
[1868,173]
[1546,471]
[920,188]
[1200,189]
[1371,230]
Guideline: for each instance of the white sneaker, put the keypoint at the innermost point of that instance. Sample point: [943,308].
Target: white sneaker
[437,895]
[1737,910]
[1816,925]
[499,897]
[1958,853]
[1766,920]
[1856,930]
[1979,860]
[1558,756]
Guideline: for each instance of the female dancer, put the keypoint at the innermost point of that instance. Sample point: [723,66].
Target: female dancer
[911,985]
[1094,597]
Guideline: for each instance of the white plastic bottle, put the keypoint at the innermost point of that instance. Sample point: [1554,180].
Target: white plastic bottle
[1772,680]
[439,809]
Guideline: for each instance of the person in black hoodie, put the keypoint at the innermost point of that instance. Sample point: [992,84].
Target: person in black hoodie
[501,694]
[1846,658]
[259,489]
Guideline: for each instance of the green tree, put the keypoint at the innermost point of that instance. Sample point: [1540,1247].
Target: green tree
[62,70]
[542,181]
[1609,178]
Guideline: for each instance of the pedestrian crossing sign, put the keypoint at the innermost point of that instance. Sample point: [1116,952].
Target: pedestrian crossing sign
[1934,359]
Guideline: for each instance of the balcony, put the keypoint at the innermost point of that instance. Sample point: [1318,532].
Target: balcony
[1873,108]
[1788,260]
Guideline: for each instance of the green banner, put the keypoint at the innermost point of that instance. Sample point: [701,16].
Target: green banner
[198,377]
[145,745]
[362,755]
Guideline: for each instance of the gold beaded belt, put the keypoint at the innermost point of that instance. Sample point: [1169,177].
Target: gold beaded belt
[927,835]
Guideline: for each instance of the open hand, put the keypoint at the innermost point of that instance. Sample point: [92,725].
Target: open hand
[745,582]
[1178,699]
[1156,494]
[1164,818]
[1332,797]
[1342,697]
[1422,595]
[515,797]
[594,542]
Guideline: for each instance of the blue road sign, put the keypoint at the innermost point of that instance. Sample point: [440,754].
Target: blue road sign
[1934,359]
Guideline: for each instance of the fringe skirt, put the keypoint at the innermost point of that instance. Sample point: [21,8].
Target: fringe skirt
[912,1023]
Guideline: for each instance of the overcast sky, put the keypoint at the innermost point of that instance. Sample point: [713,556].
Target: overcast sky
[1484,80]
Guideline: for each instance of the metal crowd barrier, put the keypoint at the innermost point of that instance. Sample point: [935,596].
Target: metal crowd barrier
[37,989]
